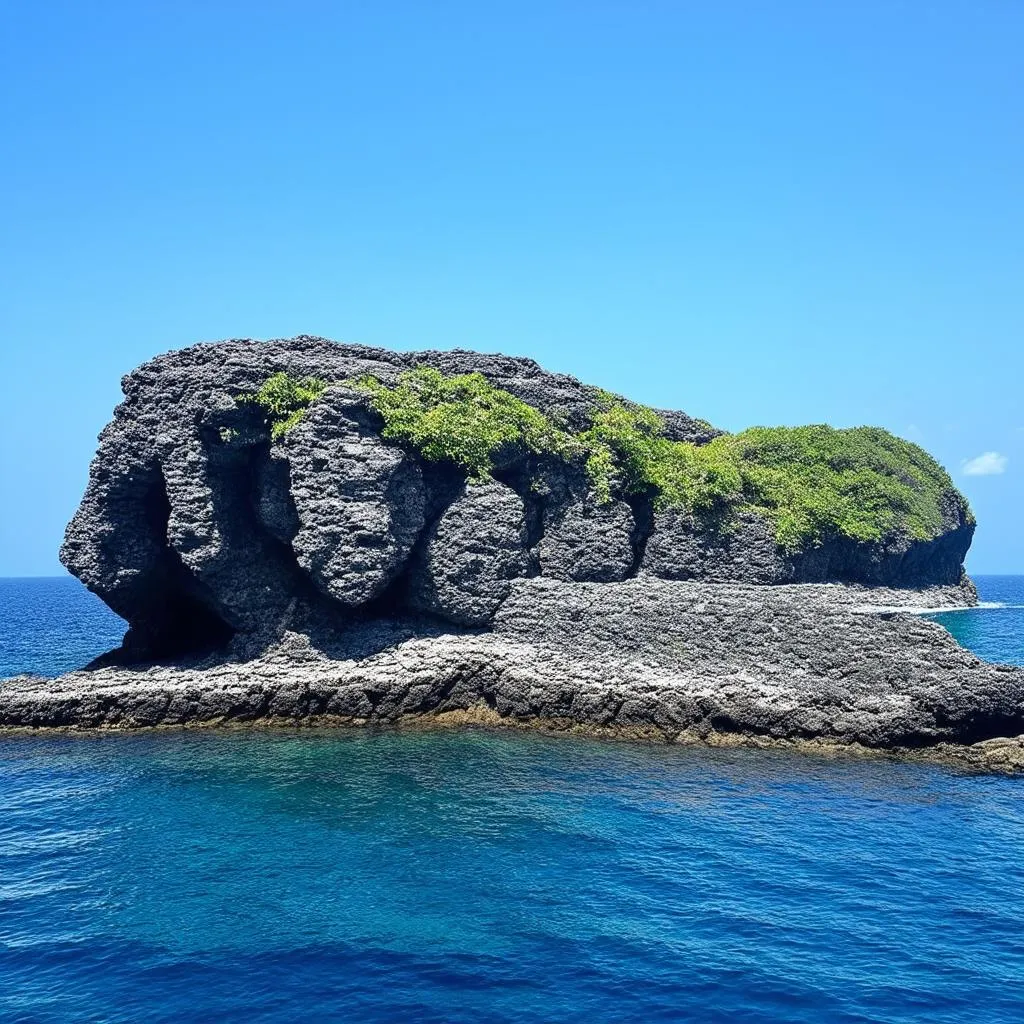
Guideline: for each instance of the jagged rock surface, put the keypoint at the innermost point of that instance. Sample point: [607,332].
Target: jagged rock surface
[646,657]
[196,528]
[472,555]
[589,543]
[359,503]
[680,549]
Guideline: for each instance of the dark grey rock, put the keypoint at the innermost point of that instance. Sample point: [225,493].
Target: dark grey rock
[117,540]
[472,554]
[741,551]
[668,660]
[189,520]
[894,561]
[275,506]
[359,502]
[333,575]
[680,427]
[588,542]
[247,579]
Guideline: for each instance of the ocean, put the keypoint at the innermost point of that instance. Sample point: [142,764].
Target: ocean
[483,876]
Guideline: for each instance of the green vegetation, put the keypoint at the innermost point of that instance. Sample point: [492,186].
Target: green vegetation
[462,419]
[284,400]
[811,482]
[862,483]
[626,450]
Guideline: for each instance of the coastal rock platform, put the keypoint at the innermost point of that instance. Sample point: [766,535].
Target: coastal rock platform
[808,666]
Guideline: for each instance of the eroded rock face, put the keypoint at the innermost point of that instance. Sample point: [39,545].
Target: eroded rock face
[116,541]
[248,578]
[897,561]
[359,502]
[275,506]
[745,551]
[196,528]
[588,542]
[472,554]
[645,658]
[201,530]
[117,545]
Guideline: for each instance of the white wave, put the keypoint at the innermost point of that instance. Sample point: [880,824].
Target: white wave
[981,604]
[886,609]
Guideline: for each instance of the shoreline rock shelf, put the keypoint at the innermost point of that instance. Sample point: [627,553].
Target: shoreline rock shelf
[336,572]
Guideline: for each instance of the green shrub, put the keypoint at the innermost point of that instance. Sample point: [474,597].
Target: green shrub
[284,400]
[626,448]
[462,419]
[862,483]
[811,482]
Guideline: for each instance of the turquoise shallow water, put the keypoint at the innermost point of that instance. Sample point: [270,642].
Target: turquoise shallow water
[475,876]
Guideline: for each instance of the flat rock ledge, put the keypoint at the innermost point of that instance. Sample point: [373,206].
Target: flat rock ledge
[826,668]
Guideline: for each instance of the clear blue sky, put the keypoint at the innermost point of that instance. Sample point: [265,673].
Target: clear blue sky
[771,212]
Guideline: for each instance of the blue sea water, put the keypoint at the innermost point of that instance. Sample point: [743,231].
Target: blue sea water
[994,631]
[50,625]
[481,876]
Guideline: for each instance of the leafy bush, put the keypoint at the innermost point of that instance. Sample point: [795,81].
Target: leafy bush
[462,419]
[862,483]
[625,446]
[284,400]
[811,482]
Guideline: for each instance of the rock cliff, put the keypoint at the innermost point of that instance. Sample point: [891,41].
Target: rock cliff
[199,527]
[304,530]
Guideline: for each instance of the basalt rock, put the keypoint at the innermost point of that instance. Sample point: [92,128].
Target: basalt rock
[471,555]
[359,503]
[330,572]
[198,527]
[807,666]
[589,542]
[682,548]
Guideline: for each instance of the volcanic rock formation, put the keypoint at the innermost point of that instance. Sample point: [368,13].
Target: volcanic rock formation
[198,527]
[326,563]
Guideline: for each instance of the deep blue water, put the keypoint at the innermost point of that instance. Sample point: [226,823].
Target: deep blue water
[477,876]
[51,625]
[995,632]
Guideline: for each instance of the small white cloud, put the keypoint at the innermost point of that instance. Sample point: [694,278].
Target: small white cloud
[987,464]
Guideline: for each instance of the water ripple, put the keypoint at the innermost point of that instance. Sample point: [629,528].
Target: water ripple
[475,876]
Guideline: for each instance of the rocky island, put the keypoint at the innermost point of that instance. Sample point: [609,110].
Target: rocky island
[302,531]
